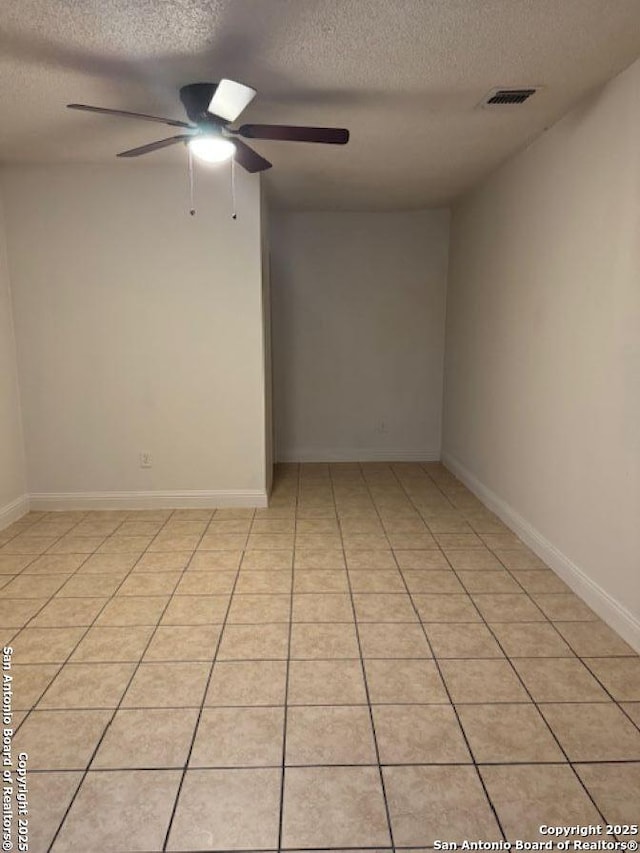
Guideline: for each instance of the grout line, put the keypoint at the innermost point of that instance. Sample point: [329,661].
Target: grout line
[286,682]
[367,691]
[204,697]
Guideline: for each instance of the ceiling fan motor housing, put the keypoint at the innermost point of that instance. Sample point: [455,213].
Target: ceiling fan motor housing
[196,98]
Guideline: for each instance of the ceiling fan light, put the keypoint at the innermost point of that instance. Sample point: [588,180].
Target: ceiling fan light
[212,149]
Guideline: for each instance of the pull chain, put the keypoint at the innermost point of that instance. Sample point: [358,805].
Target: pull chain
[233,188]
[192,208]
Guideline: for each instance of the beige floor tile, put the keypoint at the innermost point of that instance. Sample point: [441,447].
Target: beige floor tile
[560,607]
[87,685]
[16,612]
[633,710]
[502,541]
[384,607]
[268,560]
[488,582]
[322,640]
[183,642]
[60,740]
[254,642]
[508,607]
[227,810]
[195,610]
[34,586]
[68,612]
[318,580]
[446,608]
[247,683]
[559,680]
[334,807]
[239,737]
[269,541]
[185,528]
[430,803]
[319,682]
[393,640]
[593,639]
[140,528]
[106,564]
[167,685]
[367,560]
[166,542]
[530,639]
[257,609]
[284,525]
[593,732]
[49,797]
[314,558]
[45,645]
[133,610]
[540,581]
[376,580]
[421,560]
[318,540]
[77,545]
[91,586]
[438,582]
[520,559]
[527,796]
[29,682]
[508,733]
[12,564]
[220,542]
[620,676]
[615,789]
[365,542]
[112,644]
[482,681]
[458,540]
[462,640]
[322,607]
[120,810]
[411,541]
[174,561]
[125,544]
[30,545]
[395,681]
[472,559]
[150,584]
[419,734]
[273,582]
[147,738]
[330,735]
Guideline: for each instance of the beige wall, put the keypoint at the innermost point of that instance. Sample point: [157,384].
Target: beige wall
[12,464]
[358,334]
[542,376]
[139,328]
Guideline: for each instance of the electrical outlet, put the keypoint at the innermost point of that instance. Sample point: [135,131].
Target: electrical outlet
[145,460]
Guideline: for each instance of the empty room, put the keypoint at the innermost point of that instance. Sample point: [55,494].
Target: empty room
[320,425]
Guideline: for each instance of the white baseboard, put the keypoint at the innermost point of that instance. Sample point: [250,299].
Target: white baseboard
[148,500]
[14,511]
[608,608]
[357,454]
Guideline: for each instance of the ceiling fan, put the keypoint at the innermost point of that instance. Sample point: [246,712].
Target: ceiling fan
[211,108]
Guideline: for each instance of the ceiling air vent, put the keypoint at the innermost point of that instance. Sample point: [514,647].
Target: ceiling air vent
[507,97]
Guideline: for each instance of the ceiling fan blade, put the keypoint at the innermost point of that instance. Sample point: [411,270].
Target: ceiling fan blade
[155,146]
[250,159]
[230,99]
[170,121]
[289,133]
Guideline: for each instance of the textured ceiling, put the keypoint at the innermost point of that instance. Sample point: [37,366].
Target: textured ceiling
[404,75]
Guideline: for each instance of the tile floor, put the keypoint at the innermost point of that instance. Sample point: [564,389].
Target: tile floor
[375,661]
